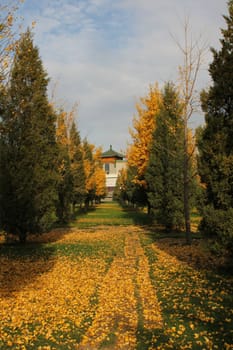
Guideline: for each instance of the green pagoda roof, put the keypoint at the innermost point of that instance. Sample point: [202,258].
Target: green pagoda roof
[111,153]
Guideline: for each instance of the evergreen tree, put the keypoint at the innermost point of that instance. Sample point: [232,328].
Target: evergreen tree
[65,184]
[164,173]
[216,141]
[28,177]
[120,194]
[77,166]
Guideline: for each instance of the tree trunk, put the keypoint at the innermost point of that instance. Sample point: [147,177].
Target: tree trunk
[22,237]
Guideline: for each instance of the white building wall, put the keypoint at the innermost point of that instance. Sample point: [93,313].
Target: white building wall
[114,169]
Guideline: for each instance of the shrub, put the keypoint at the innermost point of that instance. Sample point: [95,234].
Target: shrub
[218,224]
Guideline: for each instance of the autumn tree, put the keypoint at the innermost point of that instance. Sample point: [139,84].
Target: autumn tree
[28,183]
[95,184]
[164,173]
[216,142]
[99,175]
[139,150]
[64,184]
[9,35]
[193,52]
[143,126]
[8,38]
[76,165]
[88,162]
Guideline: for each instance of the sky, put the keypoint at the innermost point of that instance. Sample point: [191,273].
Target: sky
[102,55]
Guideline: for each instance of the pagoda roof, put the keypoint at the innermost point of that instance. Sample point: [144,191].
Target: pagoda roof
[110,153]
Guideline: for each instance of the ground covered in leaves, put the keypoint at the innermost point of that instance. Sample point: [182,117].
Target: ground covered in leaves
[115,286]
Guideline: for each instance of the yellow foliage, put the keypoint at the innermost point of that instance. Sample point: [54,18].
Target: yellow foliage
[10,20]
[54,299]
[143,127]
[9,29]
[94,173]
[100,180]
[61,130]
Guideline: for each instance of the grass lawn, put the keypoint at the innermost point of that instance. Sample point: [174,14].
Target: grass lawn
[111,281]
[110,214]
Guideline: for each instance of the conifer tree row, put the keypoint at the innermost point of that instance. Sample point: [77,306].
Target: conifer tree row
[216,142]
[42,163]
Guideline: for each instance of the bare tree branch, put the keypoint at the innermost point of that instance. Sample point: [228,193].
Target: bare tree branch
[193,51]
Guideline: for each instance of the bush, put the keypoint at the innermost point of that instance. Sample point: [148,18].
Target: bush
[218,224]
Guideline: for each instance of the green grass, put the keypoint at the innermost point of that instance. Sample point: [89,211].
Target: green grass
[35,251]
[196,306]
[110,214]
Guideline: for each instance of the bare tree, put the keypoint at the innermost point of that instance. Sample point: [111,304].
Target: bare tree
[193,52]
[9,25]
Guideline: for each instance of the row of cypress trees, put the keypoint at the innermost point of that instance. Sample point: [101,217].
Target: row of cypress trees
[41,173]
[215,145]
[210,170]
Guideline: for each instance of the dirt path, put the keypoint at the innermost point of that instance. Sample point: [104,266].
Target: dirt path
[126,298]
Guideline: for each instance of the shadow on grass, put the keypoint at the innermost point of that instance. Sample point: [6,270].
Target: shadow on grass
[22,264]
[146,339]
[137,216]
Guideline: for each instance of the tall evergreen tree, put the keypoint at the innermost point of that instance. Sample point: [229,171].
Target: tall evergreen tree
[77,166]
[64,185]
[164,173]
[216,141]
[29,147]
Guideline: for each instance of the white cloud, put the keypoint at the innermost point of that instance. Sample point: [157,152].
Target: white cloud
[105,53]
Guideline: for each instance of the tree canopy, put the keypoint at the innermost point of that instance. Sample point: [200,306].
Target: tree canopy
[216,141]
[28,184]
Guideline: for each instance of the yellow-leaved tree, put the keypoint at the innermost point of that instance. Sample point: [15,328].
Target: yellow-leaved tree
[95,175]
[99,175]
[8,36]
[143,127]
[88,163]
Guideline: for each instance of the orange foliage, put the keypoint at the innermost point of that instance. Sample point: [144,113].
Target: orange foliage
[144,125]
[8,40]
[95,175]
[61,130]
[91,302]
[100,188]
[99,173]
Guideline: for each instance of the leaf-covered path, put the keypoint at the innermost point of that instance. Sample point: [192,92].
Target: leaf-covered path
[110,287]
[125,289]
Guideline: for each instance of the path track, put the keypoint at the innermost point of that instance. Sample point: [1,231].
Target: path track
[125,290]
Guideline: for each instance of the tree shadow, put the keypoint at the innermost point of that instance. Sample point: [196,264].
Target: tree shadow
[137,215]
[197,255]
[22,264]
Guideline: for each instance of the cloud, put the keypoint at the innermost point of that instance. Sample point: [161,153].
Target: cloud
[104,54]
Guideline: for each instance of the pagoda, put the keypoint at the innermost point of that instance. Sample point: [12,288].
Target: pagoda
[113,162]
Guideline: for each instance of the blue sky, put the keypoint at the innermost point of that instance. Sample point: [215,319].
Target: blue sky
[104,54]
